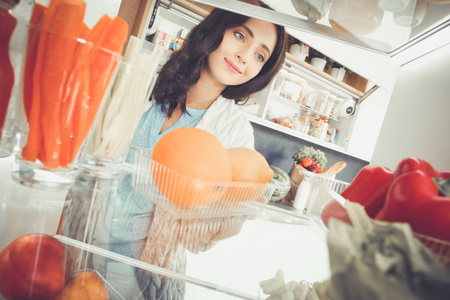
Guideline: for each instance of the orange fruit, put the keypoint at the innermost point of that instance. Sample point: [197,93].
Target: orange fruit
[200,162]
[84,285]
[248,166]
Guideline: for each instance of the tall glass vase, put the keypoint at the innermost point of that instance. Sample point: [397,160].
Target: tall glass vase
[64,82]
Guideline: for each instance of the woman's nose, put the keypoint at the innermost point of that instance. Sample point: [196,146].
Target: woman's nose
[243,55]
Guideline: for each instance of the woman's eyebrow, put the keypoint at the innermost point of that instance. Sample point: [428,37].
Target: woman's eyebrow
[252,35]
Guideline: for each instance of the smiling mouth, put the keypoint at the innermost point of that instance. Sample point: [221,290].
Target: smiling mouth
[233,67]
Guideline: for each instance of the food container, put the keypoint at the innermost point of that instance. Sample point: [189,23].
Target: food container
[279,80]
[62,93]
[355,17]
[318,63]
[317,127]
[305,121]
[292,87]
[109,141]
[412,15]
[320,99]
[329,105]
[336,106]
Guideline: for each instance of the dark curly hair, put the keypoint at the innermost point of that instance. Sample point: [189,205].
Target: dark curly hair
[182,70]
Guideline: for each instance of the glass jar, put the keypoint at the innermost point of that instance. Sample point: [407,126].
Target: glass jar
[336,106]
[317,127]
[279,79]
[329,105]
[292,87]
[320,100]
[305,119]
[325,126]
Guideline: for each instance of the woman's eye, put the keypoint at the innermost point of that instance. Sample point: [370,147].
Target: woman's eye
[239,35]
[260,57]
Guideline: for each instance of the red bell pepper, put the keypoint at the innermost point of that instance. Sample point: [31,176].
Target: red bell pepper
[310,165]
[412,164]
[414,198]
[369,188]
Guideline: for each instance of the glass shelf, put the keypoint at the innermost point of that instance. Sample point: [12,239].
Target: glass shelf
[299,106]
[383,35]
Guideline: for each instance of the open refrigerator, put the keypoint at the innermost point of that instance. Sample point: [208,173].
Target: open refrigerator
[262,238]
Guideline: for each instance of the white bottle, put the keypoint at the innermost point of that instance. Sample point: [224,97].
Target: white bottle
[302,194]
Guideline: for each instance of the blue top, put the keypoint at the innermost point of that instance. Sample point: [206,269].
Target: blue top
[147,133]
[130,212]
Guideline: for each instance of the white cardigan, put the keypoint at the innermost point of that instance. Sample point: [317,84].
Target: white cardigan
[226,121]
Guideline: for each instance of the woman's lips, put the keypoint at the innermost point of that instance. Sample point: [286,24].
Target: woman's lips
[232,67]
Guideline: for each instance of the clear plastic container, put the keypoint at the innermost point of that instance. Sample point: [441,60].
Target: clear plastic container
[329,105]
[305,121]
[336,106]
[317,127]
[292,87]
[279,80]
[320,100]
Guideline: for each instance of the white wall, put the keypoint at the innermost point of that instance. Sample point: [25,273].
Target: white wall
[417,121]
[369,120]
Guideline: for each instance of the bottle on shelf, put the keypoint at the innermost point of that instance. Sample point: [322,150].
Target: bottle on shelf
[301,196]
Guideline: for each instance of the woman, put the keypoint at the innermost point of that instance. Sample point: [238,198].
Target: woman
[225,59]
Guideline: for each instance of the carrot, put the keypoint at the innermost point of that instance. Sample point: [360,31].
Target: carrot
[36,21]
[84,31]
[117,34]
[80,115]
[101,70]
[76,92]
[32,147]
[7,25]
[61,44]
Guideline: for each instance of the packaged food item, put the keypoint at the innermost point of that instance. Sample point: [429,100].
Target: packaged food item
[292,87]
[161,38]
[317,127]
[178,43]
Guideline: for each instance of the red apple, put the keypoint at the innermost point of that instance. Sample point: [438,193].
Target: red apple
[84,285]
[34,266]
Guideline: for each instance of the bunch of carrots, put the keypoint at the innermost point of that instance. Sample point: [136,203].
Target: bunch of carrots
[65,78]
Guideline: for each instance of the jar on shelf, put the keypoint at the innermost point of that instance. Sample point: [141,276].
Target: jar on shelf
[329,105]
[317,127]
[292,87]
[320,100]
[296,122]
[309,100]
[336,106]
[305,119]
[325,126]
[332,135]
[279,80]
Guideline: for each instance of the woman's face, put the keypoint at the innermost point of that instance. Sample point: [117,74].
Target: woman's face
[243,52]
